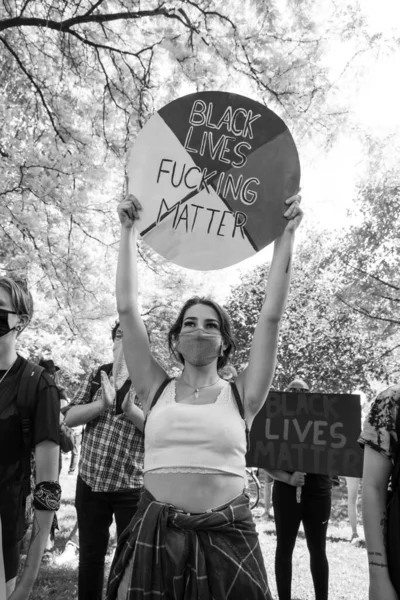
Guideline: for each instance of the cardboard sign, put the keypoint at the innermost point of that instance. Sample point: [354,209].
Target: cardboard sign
[312,433]
[212,171]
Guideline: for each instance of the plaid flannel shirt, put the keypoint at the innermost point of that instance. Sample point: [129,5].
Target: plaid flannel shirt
[112,448]
[166,553]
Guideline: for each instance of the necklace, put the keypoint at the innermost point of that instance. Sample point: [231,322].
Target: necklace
[6,373]
[197,389]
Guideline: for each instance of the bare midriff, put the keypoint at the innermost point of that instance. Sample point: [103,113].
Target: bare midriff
[194,492]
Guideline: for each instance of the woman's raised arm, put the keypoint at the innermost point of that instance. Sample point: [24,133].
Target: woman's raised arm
[255,380]
[146,374]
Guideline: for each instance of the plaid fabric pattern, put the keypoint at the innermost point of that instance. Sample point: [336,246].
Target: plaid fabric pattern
[172,555]
[112,447]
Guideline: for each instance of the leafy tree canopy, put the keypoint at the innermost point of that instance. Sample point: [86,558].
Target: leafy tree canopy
[320,339]
[79,79]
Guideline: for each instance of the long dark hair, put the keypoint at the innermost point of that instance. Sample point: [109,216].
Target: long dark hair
[225,328]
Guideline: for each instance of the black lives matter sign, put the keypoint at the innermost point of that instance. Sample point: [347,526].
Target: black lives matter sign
[212,172]
[312,433]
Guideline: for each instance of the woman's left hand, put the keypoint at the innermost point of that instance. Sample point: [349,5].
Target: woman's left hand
[293,213]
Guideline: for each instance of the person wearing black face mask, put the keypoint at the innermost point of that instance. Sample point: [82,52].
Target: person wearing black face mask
[193,531]
[15,313]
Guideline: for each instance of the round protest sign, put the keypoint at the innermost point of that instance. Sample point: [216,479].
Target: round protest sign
[212,172]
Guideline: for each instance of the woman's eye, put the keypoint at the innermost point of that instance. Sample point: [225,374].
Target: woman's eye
[213,325]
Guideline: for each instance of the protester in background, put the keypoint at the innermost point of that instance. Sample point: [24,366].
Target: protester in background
[52,369]
[110,472]
[16,308]
[300,497]
[380,436]
[193,535]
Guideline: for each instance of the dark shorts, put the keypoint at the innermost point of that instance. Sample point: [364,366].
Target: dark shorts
[12,511]
[11,560]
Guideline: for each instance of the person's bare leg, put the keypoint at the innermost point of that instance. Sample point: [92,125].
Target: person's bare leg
[352,491]
[267,495]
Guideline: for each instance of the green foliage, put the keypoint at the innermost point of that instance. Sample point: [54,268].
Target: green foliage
[79,81]
[369,259]
[320,339]
[371,254]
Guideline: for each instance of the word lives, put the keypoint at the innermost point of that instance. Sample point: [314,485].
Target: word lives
[313,433]
[226,148]
[227,141]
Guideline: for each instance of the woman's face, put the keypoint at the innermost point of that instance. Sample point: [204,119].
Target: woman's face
[201,316]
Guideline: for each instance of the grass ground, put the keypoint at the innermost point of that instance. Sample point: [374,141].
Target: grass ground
[348,564]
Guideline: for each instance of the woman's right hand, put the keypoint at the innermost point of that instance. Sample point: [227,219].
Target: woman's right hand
[128,211]
[297,479]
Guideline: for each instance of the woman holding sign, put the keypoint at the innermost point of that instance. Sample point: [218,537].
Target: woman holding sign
[301,498]
[193,535]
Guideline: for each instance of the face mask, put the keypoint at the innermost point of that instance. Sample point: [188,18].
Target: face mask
[200,348]
[119,370]
[4,323]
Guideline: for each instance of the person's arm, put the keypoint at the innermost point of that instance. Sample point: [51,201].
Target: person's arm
[2,573]
[133,412]
[376,472]
[146,374]
[254,382]
[83,410]
[296,479]
[47,460]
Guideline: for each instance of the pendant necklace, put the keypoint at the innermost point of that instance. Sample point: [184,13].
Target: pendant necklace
[196,390]
[6,373]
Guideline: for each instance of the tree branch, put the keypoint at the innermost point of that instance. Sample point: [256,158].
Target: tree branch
[35,85]
[382,281]
[64,26]
[364,312]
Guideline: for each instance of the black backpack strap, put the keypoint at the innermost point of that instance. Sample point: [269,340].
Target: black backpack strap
[157,396]
[26,400]
[160,391]
[241,411]
[96,381]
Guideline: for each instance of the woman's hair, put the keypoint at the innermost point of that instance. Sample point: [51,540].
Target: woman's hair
[225,328]
[114,330]
[21,299]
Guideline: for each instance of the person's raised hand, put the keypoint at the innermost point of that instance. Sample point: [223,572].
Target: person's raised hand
[297,479]
[129,408]
[107,391]
[128,211]
[293,213]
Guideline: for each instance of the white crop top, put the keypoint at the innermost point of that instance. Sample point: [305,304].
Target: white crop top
[195,438]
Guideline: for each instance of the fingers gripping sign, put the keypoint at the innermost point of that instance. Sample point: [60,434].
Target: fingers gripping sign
[129,211]
[294,213]
[298,479]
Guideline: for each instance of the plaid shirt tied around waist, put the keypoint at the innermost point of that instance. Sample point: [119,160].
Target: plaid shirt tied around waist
[112,448]
[166,553]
